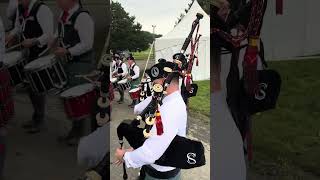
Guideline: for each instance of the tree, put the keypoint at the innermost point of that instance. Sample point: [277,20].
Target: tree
[125,33]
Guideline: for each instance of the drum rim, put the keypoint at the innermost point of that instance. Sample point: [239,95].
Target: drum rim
[62,95]
[53,62]
[17,61]
[130,91]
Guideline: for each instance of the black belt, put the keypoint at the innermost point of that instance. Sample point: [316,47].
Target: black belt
[161,175]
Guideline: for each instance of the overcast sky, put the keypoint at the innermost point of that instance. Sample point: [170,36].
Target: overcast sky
[162,13]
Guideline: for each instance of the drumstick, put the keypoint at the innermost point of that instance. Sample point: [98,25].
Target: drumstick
[13,47]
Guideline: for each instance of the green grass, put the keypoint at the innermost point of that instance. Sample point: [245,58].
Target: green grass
[289,136]
[143,55]
[201,102]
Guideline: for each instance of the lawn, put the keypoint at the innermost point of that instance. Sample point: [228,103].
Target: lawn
[289,136]
[201,102]
[143,55]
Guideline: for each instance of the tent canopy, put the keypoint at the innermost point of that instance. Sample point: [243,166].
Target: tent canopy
[171,43]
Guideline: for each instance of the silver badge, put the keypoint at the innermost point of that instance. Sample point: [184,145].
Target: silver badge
[155,72]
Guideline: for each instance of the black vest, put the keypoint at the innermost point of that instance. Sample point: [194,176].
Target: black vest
[131,70]
[119,66]
[70,36]
[32,28]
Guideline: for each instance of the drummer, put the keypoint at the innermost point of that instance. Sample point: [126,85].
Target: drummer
[120,72]
[134,73]
[76,30]
[35,25]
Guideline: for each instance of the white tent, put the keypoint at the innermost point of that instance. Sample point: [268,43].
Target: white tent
[295,32]
[171,43]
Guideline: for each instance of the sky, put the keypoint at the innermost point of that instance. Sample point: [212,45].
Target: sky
[162,13]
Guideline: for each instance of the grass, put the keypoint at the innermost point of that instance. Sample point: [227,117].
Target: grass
[201,102]
[143,55]
[289,136]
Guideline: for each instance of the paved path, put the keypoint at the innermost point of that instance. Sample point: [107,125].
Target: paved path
[40,156]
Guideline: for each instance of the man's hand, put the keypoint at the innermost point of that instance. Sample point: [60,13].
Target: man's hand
[129,77]
[28,43]
[9,38]
[60,52]
[119,155]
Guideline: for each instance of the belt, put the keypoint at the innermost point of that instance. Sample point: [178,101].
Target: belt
[160,175]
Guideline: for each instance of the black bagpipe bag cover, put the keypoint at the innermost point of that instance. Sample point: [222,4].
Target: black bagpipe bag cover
[182,152]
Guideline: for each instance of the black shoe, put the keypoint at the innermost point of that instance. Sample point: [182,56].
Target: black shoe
[28,124]
[36,128]
[120,101]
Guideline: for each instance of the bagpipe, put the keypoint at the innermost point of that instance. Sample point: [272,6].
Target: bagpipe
[258,89]
[182,152]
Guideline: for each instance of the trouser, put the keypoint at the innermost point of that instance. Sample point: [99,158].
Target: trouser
[121,92]
[177,177]
[2,154]
[38,101]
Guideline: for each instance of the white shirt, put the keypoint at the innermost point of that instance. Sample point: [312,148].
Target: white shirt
[124,68]
[2,40]
[85,27]
[136,70]
[174,120]
[45,19]
[12,8]
[228,156]
[93,148]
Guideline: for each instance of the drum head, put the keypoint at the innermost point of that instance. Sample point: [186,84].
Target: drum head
[123,81]
[134,90]
[12,58]
[77,90]
[40,63]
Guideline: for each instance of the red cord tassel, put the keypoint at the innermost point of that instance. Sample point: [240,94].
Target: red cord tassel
[250,69]
[159,124]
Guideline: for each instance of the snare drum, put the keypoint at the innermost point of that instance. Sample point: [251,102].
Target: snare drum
[135,93]
[124,84]
[46,73]
[79,100]
[15,62]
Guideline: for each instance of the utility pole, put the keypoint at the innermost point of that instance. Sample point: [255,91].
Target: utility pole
[154,40]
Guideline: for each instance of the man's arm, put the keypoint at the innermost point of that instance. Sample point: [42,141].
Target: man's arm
[17,26]
[12,8]
[136,70]
[93,147]
[45,18]
[2,40]
[154,147]
[85,26]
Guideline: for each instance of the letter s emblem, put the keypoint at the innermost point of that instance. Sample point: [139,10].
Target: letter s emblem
[191,158]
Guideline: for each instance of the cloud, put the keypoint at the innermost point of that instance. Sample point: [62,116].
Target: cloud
[162,13]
